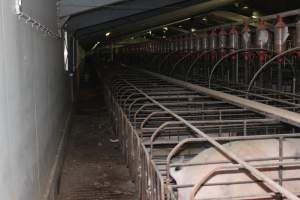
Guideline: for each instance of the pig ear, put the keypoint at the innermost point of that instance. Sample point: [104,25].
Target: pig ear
[175,174]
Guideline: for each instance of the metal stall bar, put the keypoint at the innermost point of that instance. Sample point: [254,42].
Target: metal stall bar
[127,134]
[259,175]
[271,111]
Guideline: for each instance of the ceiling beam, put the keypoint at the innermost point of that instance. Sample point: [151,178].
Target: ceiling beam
[74,7]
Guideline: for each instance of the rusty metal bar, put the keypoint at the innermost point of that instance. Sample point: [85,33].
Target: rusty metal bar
[271,111]
[274,186]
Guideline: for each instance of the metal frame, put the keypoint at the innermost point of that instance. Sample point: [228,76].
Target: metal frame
[151,121]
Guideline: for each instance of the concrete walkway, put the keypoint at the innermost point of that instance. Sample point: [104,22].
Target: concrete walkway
[93,167]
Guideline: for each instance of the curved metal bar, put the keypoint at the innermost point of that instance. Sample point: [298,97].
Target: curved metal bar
[115,88]
[166,58]
[179,61]
[119,89]
[194,62]
[228,55]
[207,176]
[180,145]
[128,97]
[122,96]
[294,75]
[150,116]
[157,131]
[116,83]
[265,97]
[212,173]
[134,101]
[159,67]
[267,63]
[255,172]
[122,91]
[282,115]
[140,109]
[286,94]
[154,59]
[164,112]
[131,105]
[291,65]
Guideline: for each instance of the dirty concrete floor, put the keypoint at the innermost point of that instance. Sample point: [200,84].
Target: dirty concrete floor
[94,168]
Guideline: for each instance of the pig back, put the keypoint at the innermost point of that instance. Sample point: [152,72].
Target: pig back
[247,150]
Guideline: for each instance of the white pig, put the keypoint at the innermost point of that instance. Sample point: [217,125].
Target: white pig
[250,149]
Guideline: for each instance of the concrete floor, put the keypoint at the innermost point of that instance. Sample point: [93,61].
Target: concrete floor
[94,168]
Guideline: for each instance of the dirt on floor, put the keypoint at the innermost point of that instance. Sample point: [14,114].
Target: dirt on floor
[94,168]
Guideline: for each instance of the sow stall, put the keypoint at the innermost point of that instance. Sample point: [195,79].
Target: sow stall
[163,126]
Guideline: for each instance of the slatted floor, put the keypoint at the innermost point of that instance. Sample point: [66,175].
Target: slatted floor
[94,168]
